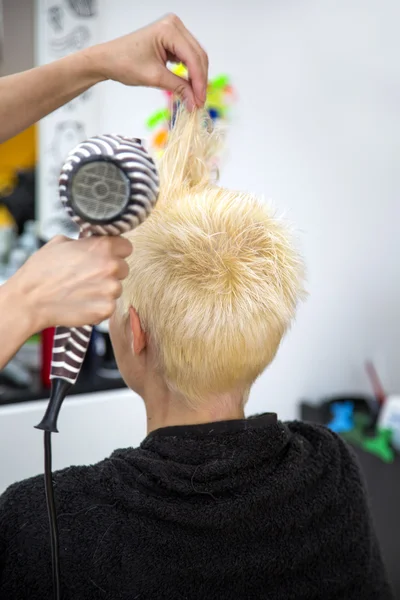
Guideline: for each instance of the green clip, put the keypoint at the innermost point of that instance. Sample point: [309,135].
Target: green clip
[219,82]
[380,445]
[158,117]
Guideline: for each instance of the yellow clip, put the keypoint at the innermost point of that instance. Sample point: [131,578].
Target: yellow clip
[180,70]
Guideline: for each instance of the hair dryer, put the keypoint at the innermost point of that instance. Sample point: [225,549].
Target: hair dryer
[108,185]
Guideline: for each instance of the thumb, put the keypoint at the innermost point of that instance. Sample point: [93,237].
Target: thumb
[179,87]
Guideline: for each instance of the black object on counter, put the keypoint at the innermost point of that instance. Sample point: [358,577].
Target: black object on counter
[88,382]
[103,354]
[21,201]
[321,412]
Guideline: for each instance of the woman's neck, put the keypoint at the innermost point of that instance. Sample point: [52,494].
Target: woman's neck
[165,408]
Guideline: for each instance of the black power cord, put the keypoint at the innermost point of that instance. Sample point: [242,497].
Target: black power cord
[52,513]
[48,424]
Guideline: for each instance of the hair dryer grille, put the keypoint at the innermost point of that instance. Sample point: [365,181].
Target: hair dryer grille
[109,184]
[100,191]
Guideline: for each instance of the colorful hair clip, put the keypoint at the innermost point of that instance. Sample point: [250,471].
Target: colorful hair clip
[220,96]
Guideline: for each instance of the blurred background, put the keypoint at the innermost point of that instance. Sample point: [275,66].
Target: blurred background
[315,129]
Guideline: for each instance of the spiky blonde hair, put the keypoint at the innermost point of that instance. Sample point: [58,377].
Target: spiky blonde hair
[213,275]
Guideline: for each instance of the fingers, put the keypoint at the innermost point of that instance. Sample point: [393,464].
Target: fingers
[102,310]
[115,250]
[115,289]
[178,86]
[120,246]
[77,281]
[115,246]
[199,56]
[122,269]
[180,43]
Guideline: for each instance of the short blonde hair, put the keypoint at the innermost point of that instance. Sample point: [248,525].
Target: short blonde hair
[213,276]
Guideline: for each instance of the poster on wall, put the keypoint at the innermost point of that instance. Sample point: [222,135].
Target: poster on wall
[63,27]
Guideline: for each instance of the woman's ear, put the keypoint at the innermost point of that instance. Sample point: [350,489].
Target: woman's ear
[139,341]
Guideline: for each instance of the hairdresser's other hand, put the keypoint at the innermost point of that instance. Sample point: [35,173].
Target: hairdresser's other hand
[72,282]
[140,58]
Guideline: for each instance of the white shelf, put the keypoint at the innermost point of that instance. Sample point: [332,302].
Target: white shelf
[91,427]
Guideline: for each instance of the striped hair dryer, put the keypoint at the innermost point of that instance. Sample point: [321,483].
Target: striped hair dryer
[108,185]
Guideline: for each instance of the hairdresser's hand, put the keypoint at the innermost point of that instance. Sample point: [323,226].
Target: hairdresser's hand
[140,58]
[73,282]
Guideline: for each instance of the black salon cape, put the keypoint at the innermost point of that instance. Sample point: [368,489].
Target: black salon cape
[224,511]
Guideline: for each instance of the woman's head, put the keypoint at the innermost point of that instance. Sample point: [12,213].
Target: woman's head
[214,279]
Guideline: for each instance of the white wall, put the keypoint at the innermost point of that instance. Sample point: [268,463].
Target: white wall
[317,129]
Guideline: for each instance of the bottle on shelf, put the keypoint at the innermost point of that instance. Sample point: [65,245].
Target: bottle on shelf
[16,259]
[29,239]
[7,235]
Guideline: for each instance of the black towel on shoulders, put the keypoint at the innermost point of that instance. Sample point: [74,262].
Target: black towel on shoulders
[243,509]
